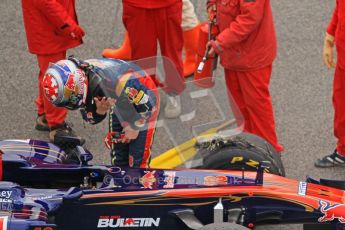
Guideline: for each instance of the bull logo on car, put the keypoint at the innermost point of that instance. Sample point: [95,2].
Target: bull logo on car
[332,212]
[148,179]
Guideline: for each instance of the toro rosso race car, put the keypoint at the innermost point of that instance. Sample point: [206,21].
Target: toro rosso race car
[45,187]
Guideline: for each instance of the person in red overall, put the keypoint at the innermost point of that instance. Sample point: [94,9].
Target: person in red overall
[149,22]
[190,26]
[51,28]
[247,48]
[335,34]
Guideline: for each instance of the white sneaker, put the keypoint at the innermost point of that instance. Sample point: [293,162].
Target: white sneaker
[173,107]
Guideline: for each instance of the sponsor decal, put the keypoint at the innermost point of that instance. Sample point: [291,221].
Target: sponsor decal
[70,84]
[81,79]
[50,87]
[3,222]
[125,222]
[5,196]
[143,99]
[169,179]
[215,180]
[41,197]
[302,188]
[249,162]
[6,206]
[71,88]
[6,203]
[148,179]
[136,97]
[331,213]
[131,92]
[137,100]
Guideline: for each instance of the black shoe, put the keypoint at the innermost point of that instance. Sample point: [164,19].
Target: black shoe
[41,123]
[63,130]
[331,160]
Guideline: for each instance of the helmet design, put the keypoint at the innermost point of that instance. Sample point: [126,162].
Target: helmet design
[65,85]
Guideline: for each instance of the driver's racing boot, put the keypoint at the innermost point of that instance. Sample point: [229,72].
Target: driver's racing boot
[332,160]
[63,130]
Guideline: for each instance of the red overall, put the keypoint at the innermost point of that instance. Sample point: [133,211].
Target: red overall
[150,21]
[337,29]
[247,38]
[43,21]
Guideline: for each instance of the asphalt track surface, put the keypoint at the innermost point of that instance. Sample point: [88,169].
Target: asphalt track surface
[301,86]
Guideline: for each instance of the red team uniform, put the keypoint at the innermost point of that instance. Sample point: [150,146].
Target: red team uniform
[336,28]
[151,21]
[48,26]
[247,48]
[335,34]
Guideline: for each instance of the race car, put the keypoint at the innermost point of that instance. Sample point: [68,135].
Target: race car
[45,187]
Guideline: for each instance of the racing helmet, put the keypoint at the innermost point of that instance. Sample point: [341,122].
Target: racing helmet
[65,85]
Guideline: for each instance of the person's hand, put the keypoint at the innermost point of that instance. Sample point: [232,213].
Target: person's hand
[328,58]
[77,32]
[74,31]
[211,51]
[130,134]
[214,47]
[103,105]
[114,138]
[211,12]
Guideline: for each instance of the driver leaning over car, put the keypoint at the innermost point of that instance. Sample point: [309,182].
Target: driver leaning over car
[99,85]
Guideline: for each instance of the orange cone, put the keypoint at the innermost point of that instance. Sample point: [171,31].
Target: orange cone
[191,38]
[124,52]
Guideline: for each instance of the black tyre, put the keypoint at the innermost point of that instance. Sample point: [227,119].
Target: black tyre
[223,226]
[244,151]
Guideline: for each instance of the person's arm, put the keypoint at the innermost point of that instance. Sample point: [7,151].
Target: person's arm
[91,117]
[211,7]
[135,103]
[332,26]
[244,24]
[210,3]
[89,112]
[59,17]
[328,54]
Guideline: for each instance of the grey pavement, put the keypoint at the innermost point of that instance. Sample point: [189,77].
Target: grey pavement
[301,86]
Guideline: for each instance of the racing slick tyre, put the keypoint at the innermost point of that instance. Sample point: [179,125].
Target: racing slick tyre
[242,152]
[223,226]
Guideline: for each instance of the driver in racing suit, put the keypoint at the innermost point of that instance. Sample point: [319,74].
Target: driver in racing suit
[98,85]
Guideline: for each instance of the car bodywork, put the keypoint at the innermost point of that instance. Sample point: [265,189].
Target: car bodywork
[41,190]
